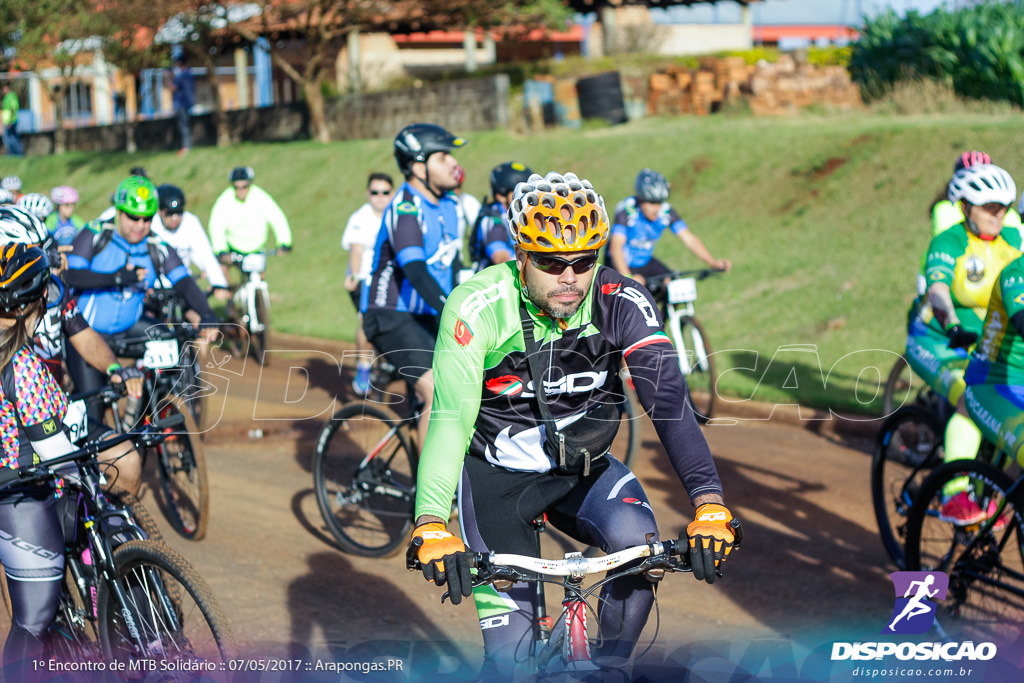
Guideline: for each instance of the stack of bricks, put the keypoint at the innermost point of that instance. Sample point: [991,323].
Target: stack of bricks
[780,88]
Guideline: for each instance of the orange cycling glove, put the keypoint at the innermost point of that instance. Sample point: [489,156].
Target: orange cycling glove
[711,539]
[443,559]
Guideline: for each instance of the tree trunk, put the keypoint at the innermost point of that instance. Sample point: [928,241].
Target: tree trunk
[317,112]
[129,134]
[220,117]
[60,135]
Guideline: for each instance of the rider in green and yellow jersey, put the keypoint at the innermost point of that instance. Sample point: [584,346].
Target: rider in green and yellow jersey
[963,265]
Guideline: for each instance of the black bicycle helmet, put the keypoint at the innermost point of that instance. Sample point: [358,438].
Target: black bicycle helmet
[418,141]
[24,275]
[241,174]
[506,176]
[651,186]
[171,198]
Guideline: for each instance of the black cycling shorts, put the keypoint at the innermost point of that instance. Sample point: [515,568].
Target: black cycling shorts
[406,340]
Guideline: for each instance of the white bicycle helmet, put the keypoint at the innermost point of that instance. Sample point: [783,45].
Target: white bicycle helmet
[982,184]
[11,183]
[18,225]
[39,205]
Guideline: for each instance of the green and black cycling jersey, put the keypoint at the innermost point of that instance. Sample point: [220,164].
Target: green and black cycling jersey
[484,402]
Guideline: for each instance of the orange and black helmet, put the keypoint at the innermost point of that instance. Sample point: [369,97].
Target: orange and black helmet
[24,275]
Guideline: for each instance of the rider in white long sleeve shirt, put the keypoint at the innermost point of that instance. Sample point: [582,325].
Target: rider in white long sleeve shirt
[183,231]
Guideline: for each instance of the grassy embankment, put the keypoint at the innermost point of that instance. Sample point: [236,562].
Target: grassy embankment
[824,218]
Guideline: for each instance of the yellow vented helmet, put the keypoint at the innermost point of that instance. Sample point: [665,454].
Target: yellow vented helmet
[557,213]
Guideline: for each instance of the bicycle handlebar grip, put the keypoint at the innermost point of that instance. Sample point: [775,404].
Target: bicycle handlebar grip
[412,562]
[737,530]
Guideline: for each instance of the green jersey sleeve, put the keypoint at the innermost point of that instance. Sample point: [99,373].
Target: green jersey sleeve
[943,251]
[467,329]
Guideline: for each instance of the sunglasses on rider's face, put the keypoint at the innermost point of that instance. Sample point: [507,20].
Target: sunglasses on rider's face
[995,207]
[552,265]
[137,219]
[378,193]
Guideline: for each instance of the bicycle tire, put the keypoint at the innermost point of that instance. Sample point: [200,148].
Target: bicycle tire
[139,512]
[366,502]
[162,588]
[258,341]
[74,635]
[907,448]
[899,384]
[632,416]
[977,562]
[184,482]
[702,376]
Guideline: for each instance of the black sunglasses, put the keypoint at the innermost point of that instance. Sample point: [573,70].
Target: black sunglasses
[556,266]
[137,219]
[377,193]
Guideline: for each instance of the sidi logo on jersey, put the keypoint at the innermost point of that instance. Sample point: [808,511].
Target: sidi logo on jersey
[506,385]
[463,334]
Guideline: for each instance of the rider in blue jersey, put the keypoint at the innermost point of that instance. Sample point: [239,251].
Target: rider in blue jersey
[490,242]
[639,222]
[416,257]
[112,265]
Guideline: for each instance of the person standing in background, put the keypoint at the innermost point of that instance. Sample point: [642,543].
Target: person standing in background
[183,87]
[359,238]
[9,118]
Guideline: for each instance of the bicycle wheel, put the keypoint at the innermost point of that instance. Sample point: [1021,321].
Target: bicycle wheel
[907,448]
[632,414]
[364,473]
[701,378]
[73,634]
[175,615]
[182,467]
[258,338]
[983,560]
[898,387]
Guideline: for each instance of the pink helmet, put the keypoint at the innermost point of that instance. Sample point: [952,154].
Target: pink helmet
[971,158]
[64,194]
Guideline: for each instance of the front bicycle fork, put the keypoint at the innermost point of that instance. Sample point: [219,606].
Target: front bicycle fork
[689,360]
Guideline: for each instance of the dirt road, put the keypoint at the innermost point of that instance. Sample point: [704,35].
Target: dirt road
[811,571]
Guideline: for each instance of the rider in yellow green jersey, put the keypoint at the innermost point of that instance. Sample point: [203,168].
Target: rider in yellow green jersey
[963,264]
[946,214]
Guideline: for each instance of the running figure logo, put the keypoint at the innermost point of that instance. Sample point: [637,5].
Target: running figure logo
[914,611]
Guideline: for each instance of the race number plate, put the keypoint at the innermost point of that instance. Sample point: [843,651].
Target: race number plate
[682,291]
[161,353]
[254,263]
[76,421]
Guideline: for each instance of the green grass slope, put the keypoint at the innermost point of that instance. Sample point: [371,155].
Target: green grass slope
[824,217]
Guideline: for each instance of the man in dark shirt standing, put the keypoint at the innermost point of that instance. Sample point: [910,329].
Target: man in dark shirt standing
[179,79]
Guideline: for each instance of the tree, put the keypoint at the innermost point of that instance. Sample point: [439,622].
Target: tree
[51,34]
[203,24]
[324,24]
[129,42]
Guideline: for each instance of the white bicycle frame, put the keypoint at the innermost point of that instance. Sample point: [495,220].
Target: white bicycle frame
[574,656]
[692,354]
[245,299]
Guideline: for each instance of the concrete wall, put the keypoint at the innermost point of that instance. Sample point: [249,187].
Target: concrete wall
[701,39]
[472,104]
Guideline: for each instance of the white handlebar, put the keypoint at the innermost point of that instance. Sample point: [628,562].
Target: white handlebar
[574,564]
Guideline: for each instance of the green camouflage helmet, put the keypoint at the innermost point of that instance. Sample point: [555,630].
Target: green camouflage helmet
[136,195]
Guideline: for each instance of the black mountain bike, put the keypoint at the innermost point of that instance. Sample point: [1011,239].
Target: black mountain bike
[170,387]
[127,598]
